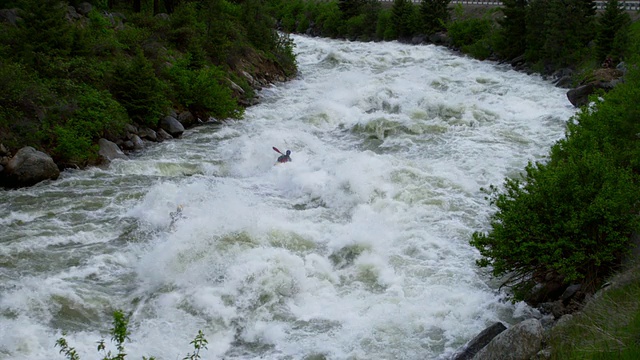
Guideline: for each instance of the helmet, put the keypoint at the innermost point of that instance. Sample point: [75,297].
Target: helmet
[288,152]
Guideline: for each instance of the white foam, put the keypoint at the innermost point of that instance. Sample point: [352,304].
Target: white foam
[357,249]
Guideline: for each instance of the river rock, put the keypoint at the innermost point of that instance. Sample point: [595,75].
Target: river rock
[171,125]
[109,151]
[28,167]
[520,342]
[470,349]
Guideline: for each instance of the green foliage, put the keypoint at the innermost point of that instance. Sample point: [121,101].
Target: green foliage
[203,92]
[535,21]
[259,26]
[199,343]
[608,326]
[574,215]
[23,99]
[384,28]
[612,38]
[569,27]
[119,335]
[329,19]
[137,88]
[401,18]
[435,15]
[94,114]
[513,30]
[44,30]
[469,31]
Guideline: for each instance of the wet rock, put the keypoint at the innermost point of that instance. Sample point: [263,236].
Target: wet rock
[520,342]
[172,126]
[28,167]
[470,349]
[109,151]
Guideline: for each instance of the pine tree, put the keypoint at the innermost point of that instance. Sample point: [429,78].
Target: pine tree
[435,14]
[401,13]
[513,32]
[611,38]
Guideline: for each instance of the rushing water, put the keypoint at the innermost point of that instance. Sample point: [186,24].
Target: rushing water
[358,249]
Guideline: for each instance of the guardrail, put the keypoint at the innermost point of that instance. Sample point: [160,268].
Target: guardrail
[627,5]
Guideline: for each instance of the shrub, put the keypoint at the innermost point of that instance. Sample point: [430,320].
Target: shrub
[23,97]
[94,114]
[574,215]
[203,91]
[119,335]
[467,32]
[137,88]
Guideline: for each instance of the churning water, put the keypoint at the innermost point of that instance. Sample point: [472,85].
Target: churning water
[358,249]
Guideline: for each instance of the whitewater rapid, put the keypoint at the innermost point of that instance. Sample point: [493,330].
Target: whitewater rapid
[357,249]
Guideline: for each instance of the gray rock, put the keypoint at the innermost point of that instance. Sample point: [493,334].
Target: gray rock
[471,348]
[570,292]
[148,134]
[29,167]
[580,95]
[9,16]
[163,135]
[84,8]
[109,151]
[137,142]
[519,342]
[171,125]
[186,118]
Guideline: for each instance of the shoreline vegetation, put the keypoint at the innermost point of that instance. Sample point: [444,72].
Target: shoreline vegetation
[563,237]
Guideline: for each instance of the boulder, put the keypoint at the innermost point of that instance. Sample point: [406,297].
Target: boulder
[3,150]
[580,95]
[9,16]
[148,134]
[28,167]
[186,118]
[470,349]
[109,151]
[520,342]
[171,125]
[84,8]
[163,135]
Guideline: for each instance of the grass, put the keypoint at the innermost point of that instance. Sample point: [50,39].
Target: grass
[607,328]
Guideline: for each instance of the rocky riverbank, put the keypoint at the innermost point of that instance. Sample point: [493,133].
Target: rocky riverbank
[29,164]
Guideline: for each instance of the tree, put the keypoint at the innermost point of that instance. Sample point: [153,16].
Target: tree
[350,8]
[137,88]
[401,17]
[612,39]
[513,31]
[435,14]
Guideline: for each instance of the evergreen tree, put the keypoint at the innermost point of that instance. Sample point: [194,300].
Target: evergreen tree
[44,31]
[137,88]
[350,8]
[513,31]
[612,39]
[435,14]
[401,17]
[569,29]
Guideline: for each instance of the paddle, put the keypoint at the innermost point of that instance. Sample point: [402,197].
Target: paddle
[276,150]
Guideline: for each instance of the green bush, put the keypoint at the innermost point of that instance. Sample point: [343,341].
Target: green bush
[203,91]
[23,97]
[467,32]
[94,114]
[137,88]
[119,335]
[574,215]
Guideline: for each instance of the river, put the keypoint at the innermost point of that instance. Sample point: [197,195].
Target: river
[357,249]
